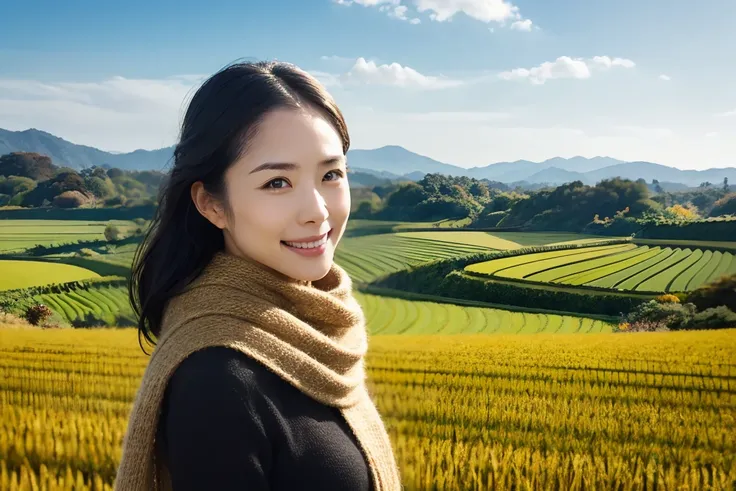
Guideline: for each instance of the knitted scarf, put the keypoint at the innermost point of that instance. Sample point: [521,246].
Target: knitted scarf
[313,335]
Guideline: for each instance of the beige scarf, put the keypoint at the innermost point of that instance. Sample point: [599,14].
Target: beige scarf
[312,335]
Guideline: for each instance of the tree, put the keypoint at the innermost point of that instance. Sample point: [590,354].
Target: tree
[114,172]
[724,206]
[714,294]
[479,190]
[112,233]
[100,187]
[70,199]
[725,184]
[705,184]
[683,213]
[37,314]
[15,185]
[27,164]
[409,194]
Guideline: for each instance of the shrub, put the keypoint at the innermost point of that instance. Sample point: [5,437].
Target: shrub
[37,314]
[724,206]
[654,315]
[669,314]
[643,326]
[115,201]
[112,233]
[70,199]
[92,320]
[668,298]
[716,293]
[713,318]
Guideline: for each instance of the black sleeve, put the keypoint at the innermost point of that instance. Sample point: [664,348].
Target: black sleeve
[213,428]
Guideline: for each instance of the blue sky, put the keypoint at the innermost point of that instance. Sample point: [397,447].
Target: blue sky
[469,82]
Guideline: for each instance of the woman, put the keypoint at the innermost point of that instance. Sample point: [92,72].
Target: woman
[257,379]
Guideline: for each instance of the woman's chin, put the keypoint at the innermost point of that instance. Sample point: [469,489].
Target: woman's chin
[307,269]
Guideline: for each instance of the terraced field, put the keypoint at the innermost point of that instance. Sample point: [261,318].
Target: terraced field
[396,316]
[103,302]
[22,274]
[369,257]
[622,267]
[16,235]
[483,239]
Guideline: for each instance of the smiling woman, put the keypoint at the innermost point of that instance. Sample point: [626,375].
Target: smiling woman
[258,372]
[287,194]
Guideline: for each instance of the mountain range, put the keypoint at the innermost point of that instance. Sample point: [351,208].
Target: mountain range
[388,162]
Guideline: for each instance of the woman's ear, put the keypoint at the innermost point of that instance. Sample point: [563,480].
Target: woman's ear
[208,206]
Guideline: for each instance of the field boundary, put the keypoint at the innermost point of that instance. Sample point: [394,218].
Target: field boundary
[706,245]
[100,267]
[404,295]
[541,285]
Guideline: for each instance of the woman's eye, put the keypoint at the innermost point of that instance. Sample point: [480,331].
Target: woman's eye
[336,173]
[276,184]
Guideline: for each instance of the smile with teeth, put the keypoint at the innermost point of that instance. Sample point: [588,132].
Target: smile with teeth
[307,245]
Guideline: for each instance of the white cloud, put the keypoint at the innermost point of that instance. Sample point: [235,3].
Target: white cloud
[368,72]
[712,134]
[118,113]
[727,114]
[664,77]
[398,12]
[607,62]
[562,67]
[367,3]
[522,25]
[565,67]
[482,10]
[486,11]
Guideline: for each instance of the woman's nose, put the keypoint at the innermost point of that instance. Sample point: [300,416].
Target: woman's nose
[314,207]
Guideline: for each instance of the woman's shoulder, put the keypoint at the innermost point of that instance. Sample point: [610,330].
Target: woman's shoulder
[218,367]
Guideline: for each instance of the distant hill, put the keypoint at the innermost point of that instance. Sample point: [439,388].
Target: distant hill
[65,153]
[555,175]
[649,171]
[389,162]
[400,161]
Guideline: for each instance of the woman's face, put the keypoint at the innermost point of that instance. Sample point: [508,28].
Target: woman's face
[289,195]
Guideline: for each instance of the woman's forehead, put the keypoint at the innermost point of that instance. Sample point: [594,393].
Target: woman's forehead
[294,137]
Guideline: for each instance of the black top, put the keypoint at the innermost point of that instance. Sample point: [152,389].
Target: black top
[230,423]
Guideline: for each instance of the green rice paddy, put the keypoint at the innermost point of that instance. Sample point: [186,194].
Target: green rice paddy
[626,267]
[23,274]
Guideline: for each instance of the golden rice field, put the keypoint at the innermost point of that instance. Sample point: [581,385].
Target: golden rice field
[545,411]
[22,274]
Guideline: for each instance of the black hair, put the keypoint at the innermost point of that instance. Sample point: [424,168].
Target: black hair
[223,115]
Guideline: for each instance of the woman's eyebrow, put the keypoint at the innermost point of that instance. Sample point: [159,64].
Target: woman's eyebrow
[292,166]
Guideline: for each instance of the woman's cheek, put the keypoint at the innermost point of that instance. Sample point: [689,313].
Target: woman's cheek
[342,199]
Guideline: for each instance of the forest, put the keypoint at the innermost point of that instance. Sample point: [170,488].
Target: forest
[611,207]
